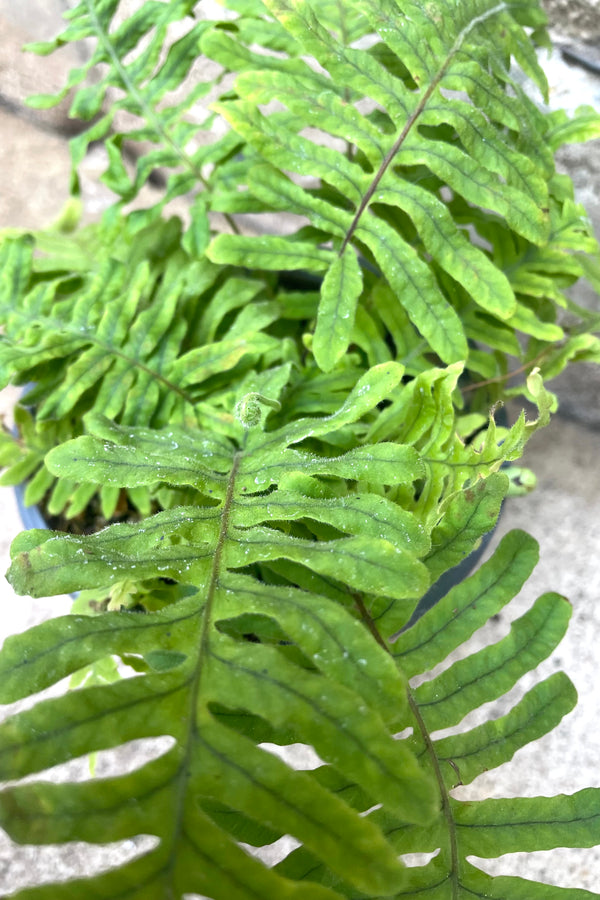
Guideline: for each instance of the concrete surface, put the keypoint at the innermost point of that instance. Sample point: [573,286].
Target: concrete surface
[572,85]
[577,18]
[563,514]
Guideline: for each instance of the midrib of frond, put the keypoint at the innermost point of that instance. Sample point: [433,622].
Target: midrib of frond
[413,118]
[203,652]
[453,875]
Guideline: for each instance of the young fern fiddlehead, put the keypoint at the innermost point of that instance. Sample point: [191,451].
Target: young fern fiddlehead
[249,411]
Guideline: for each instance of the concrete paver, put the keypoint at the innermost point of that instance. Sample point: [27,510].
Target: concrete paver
[31,195]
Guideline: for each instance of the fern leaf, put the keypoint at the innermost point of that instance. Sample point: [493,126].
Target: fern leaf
[422,415]
[275,253]
[460,757]
[532,823]
[373,179]
[583,126]
[140,67]
[411,152]
[342,695]
[496,669]
[133,330]
[507,825]
[295,538]
[246,560]
[237,57]
[450,248]
[369,516]
[468,515]
[411,279]
[493,743]
[341,288]
[406,183]
[219,763]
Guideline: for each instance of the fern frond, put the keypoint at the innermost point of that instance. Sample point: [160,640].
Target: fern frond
[294,447]
[422,415]
[339,692]
[418,128]
[301,536]
[141,92]
[442,701]
[420,156]
[210,762]
[133,329]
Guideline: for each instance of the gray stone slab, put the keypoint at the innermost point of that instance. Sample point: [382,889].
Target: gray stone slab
[35,169]
[578,18]
[24,73]
[572,85]
[578,392]
[38,19]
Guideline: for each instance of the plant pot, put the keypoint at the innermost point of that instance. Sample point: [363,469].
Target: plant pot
[31,516]
[448,580]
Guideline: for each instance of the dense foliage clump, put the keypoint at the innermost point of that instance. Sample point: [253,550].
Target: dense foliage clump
[305,422]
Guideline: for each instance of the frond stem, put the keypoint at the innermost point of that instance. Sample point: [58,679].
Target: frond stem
[501,378]
[389,158]
[203,642]
[140,365]
[444,793]
[369,622]
[216,564]
[113,351]
[430,749]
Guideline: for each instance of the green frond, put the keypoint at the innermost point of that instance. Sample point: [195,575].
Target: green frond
[444,701]
[141,92]
[341,693]
[583,126]
[420,156]
[531,822]
[437,637]
[304,425]
[332,646]
[342,286]
[455,840]
[209,760]
[476,157]
[130,326]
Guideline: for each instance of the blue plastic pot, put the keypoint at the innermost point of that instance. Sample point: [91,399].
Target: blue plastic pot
[30,515]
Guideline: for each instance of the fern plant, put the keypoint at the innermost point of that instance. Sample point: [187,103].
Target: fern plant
[319,604]
[306,425]
[423,185]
